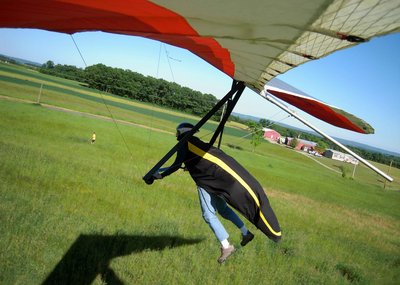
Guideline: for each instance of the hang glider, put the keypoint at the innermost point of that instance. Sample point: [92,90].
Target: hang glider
[251,41]
[318,109]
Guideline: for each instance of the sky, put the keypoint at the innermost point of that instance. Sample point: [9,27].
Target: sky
[363,80]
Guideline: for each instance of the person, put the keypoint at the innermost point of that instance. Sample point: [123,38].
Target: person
[93,138]
[220,179]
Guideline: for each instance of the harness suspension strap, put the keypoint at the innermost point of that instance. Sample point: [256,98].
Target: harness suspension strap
[230,105]
[235,88]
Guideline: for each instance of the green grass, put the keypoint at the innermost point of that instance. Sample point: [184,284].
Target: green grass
[75,212]
[25,84]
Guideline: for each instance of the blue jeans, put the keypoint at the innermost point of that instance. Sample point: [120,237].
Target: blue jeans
[210,204]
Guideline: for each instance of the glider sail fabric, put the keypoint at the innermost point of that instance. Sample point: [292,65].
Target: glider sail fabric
[251,41]
[138,18]
[316,108]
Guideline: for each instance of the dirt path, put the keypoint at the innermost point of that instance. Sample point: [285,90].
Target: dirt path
[99,117]
[320,163]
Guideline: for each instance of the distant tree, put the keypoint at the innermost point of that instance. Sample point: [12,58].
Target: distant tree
[265,123]
[65,71]
[49,64]
[321,145]
[130,84]
[256,133]
[292,133]
[238,119]
[294,142]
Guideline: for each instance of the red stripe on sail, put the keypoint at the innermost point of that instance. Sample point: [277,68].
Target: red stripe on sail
[138,18]
[318,110]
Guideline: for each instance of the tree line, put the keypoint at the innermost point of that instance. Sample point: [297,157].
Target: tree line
[133,85]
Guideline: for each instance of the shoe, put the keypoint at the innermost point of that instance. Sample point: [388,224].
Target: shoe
[247,238]
[225,253]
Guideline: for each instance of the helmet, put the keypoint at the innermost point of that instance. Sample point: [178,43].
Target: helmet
[183,128]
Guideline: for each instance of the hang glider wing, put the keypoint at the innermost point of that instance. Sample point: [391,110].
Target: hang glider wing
[318,109]
[251,41]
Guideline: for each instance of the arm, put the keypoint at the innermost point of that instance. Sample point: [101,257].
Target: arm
[179,160]
[162,172]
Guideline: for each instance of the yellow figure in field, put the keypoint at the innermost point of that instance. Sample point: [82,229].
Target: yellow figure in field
[93,138]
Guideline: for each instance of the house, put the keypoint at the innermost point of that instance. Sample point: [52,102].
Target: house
[271,135]
[337,155]
[303,145]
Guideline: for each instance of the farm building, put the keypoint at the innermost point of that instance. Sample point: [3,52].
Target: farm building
[303,145]
[306,145]
[337,155]
[271,135]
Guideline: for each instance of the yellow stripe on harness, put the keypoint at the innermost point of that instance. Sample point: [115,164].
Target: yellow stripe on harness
[224,166]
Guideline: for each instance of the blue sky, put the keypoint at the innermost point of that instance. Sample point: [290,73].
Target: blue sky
[363,80]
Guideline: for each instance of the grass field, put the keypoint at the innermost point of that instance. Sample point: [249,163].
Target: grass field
[76,213]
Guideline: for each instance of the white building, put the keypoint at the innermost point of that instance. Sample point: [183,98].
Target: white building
[337,155]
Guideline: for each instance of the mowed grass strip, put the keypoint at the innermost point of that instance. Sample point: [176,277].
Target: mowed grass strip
[54,91]
[80,212]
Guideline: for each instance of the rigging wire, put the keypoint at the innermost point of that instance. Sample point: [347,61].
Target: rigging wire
[79,51]
[105,104]
[152,105]
[274,115]
[157,76]
[159,59]
[169,64]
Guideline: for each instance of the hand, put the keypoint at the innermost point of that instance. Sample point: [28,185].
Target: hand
[157,175]
[149,181]
[153,177]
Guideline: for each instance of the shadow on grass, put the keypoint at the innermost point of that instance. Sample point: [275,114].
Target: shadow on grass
[80,139]
[90,256]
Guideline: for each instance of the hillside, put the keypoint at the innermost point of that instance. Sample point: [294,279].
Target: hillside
[79,213]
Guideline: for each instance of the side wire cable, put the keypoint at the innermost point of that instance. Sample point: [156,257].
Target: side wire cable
[105,104]
[152,109]
[162,45]
[169,64]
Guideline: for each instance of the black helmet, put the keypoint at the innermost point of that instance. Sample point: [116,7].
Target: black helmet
[183,128]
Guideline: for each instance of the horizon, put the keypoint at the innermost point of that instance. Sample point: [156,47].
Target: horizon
[364,75]
[343,141]
[312,132]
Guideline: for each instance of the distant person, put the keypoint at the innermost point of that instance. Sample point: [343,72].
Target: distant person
[93,140]
[286,141]
[220,179]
